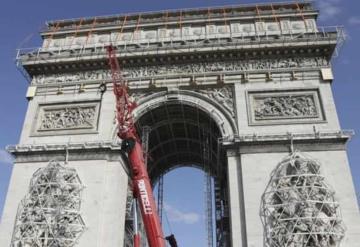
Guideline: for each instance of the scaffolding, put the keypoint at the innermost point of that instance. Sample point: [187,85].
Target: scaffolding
[133,222]
[328,35]
[129,219]
[160,198]
[208,188]
[243,10]
[299,208]
[143,46]
[49,215]
[145,142]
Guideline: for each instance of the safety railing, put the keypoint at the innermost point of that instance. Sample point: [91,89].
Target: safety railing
[145,46]
[158,17]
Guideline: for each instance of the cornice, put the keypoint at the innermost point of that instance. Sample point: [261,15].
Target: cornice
[42,62]
[20,148]
[283,142]
[248,143]
[66,151]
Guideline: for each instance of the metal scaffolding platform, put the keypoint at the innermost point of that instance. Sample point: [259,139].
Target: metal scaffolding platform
[49,215]
[299,208]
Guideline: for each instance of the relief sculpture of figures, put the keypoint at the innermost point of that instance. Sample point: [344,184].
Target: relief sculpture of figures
[293,106]
[299,208]
[49,215]
[223,96]
[193,68]
[68,118]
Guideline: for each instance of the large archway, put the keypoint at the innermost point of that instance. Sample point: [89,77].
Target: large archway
[184,205]
[185,128]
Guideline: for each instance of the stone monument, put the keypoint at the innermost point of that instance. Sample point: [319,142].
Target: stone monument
[249,84]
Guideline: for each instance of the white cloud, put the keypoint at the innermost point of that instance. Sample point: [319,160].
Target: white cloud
[329,8]
[175,215]
[354,20]
[5,157]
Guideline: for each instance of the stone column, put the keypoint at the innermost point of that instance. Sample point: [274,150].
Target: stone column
[236,200]
[103,200]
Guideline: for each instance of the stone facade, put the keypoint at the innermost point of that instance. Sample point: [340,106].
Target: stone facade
[53,119]
[285,107]
[186,69]
[50,213]
[246,86]
[299,207]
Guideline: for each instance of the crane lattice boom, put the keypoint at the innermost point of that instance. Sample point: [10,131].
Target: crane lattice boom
[140,178]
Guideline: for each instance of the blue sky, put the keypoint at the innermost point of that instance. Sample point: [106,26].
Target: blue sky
[20,21]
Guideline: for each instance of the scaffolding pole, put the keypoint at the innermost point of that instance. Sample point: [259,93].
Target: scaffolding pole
[145,142]
[208,190]
[160,199]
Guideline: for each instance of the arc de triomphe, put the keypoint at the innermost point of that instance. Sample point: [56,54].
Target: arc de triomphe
[242,91]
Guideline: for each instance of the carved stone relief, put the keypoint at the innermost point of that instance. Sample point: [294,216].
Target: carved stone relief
[272,107]
[185,33]
[68,117]
[49,215]
[285,106]
[310,24]
[299,208]
[137,96]
[298,25]
[260,26]
[198,31]
[272,27]
[248,28]
[186,69]
[223,29]
[285,25]
[222,95]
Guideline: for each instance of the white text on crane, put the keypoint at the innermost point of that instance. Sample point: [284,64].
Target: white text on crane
[144,197]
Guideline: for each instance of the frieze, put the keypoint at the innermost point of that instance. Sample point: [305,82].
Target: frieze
[68,117]
[272,107]
[186,69]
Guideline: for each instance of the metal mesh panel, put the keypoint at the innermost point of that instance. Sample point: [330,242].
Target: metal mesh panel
[49,215]
[298,208]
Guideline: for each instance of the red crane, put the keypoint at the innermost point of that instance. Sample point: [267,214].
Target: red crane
[132,144]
